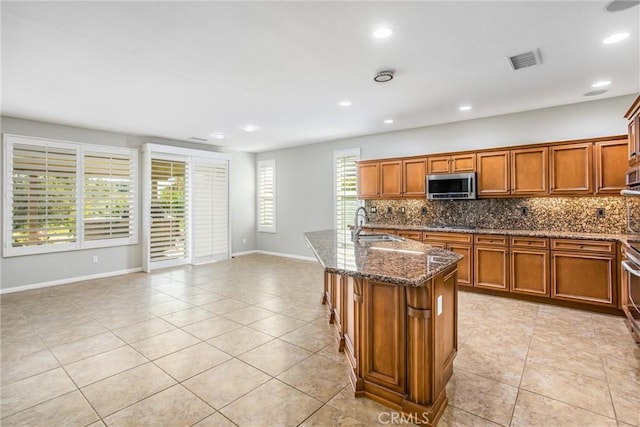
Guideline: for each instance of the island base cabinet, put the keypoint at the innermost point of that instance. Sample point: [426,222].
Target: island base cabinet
[583,278]
[401,342]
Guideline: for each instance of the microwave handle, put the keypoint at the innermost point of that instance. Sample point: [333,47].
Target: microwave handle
[627,266]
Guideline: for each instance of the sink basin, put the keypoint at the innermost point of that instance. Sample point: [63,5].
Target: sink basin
[379,238]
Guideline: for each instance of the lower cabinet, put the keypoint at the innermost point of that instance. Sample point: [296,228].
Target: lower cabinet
[584,271]
[491,255]
[529,266]
[412,235]
[459,243]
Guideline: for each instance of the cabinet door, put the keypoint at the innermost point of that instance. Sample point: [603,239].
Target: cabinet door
[465,265]
[493,173]
[611,163]
[571,169]
[634,140]
[414,173]
[463,163]
[529,171]
[491,268]
[413,235]
[368,180]
[391,179]
[529,272]
[439,164]
[583,277]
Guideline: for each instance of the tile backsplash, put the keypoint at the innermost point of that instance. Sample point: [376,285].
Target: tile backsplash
[575,214]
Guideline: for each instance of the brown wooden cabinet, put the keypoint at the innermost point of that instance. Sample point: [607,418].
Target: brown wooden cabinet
[571,168]
[633,115]
[391,179]
[459,243]
[491,267]
[410,234]
[529,266]
[610,165]
[414,174]
[493,173]
[529,171]
[369,180]
[584,271]
[452,164]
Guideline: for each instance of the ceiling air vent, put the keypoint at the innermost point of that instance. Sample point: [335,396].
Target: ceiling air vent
[197,138]
[524,60]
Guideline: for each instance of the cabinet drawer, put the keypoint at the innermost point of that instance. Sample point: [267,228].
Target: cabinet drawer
[413,235]
[487,239]
[583,245]
[530,242]
[430,236]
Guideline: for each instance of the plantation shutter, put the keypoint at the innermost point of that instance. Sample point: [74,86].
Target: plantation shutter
[168,231]
[267,196]
[346,191]
[210,211]
[43,196]
[109,195]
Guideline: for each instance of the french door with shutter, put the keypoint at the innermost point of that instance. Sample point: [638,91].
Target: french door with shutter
[186,205]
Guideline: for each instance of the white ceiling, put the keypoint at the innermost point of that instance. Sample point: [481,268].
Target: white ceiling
[183,69]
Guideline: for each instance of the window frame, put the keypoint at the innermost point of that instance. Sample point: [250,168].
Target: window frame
[336,154]
[266,228]
[80,244]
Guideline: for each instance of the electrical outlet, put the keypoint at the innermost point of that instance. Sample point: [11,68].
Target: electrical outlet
[424,210]
[524,211]
[244,240]
[373,209]
[439,305]
[600,213]
[95,259]
[402,210]
[389,209]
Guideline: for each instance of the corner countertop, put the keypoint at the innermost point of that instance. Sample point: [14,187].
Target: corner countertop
[404,263]
[528,233]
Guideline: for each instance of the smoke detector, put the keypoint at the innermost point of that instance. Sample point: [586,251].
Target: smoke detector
[383,76]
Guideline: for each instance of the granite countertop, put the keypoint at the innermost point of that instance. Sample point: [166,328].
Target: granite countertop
[527,233]
[404,263]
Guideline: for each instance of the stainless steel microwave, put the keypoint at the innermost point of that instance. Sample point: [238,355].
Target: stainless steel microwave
[452,186]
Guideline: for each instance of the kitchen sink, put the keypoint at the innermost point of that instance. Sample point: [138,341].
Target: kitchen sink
[379,238]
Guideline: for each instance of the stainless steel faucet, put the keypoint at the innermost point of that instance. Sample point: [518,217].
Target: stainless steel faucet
[357,228]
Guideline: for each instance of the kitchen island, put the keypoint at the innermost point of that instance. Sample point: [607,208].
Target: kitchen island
[394,308]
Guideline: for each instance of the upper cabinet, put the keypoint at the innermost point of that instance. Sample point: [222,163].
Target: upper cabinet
[529,174]
[414,172]
[368,180]
[493,173]
[458,163]
[609,157]
[633,115]
[391,179]
[571,168]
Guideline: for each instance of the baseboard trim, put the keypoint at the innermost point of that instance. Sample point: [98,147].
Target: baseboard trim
[68,280]
[243,253]
[280,254]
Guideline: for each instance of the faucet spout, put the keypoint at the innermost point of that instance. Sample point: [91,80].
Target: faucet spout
[357,228]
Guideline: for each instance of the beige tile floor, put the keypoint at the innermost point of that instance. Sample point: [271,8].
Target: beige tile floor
[246,342]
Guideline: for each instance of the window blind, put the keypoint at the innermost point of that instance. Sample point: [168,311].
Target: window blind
[168,231]
[43,196]
[109,196]
[267,196]
[210,211]
[346,202]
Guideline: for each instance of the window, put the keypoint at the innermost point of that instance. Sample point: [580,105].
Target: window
[210,210]
[66,196]
[267,196]
[346,192]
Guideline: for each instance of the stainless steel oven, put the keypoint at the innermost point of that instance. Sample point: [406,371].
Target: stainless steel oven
[631,283]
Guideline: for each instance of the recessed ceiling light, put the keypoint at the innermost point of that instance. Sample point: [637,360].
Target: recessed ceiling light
[465,108]
[601,83]
[218,135]
[344,103]
[388,121]
[615,38]
[249,128]
[382,33]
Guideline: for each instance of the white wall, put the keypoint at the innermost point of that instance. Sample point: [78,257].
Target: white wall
[304,174]
[57,267]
